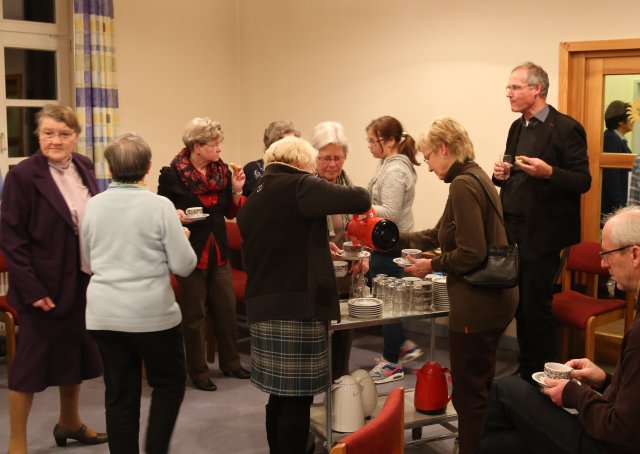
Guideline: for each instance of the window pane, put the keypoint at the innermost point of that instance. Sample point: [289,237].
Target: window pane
[30,10]
[30,74]
[21,122]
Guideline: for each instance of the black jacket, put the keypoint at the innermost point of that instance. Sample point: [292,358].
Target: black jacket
[552,206]
[171,186]
[285,248]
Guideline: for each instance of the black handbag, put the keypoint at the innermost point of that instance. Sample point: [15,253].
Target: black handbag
[500,268]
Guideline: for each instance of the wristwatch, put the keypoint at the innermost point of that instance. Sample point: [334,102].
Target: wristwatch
[236,192]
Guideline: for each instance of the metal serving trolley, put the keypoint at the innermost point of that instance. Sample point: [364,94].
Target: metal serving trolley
[321,421]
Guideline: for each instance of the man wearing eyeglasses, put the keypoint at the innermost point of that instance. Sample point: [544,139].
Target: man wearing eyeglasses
[541,204]
[520,419]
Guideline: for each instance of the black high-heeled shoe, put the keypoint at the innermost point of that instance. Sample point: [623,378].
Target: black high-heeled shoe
[61,434]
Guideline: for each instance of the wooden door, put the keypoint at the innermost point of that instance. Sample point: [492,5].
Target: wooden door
[583,68]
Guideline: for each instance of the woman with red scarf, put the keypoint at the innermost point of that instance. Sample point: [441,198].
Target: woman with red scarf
[198,178]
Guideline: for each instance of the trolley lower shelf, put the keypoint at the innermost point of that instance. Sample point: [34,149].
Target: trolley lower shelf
[413,420]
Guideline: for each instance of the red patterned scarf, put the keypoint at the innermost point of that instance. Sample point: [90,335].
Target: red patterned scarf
[215,179]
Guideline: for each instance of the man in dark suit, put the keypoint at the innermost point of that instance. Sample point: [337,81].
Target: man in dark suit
[615,182]
[541,200]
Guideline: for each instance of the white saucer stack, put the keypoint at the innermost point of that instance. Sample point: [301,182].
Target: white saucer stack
[440,294]
[365,307]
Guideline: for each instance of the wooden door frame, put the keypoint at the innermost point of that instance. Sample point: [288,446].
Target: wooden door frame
[577,61]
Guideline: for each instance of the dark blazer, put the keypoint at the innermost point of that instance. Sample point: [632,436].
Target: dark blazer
[552,206]
[38,238]
[615,182]
[285,249]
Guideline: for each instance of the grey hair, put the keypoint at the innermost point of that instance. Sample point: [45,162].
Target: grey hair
[277,130]
[293,151]
[129,158]
[535,75]
[200,130]
[61,114]
[329,132]
[625,225]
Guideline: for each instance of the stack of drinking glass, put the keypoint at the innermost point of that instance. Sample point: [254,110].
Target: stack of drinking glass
[401,296]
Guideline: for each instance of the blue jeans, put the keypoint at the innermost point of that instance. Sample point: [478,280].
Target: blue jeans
[394,336]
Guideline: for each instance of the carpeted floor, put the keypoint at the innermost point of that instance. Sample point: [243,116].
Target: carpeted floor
[229,420]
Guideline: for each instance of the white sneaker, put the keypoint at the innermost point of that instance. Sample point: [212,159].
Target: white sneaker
[385,371]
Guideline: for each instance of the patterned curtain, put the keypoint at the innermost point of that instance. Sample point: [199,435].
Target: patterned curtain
[95,84]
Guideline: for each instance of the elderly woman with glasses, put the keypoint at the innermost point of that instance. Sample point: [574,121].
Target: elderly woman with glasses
[291,288]
[199,178]
[43,206]
[332,144]
[478,315]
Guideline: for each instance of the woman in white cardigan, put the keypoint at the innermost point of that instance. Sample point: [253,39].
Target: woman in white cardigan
[392,191]
[133,239]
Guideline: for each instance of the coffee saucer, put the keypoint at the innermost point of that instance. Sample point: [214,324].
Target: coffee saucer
[361,255]
[401,262]
[197,217]
[539,379]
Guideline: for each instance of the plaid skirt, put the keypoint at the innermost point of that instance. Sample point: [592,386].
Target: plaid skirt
[289,357]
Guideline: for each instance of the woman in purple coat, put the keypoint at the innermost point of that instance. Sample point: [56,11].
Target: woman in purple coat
[43,204]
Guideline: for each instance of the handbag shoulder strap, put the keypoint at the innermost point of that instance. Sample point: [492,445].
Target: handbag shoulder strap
[486,191]
[495,208]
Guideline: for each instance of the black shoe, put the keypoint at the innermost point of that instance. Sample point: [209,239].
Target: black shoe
[205,385]
[61,434]
[240,373]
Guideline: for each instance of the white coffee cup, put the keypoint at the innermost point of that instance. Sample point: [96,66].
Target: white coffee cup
[557,371]
[193,212]
[351,249]
[340,268]
[415,253]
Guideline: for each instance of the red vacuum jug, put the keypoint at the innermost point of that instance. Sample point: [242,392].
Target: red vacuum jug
[376,233]
[431,394]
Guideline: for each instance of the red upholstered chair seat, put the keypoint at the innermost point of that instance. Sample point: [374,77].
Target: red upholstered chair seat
[175,286]
[239,283]
[6,307]
[384,434]
[585,311]
[8,316]
[575,309]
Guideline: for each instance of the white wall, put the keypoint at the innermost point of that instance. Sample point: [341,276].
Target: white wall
[246,63]
[176,61]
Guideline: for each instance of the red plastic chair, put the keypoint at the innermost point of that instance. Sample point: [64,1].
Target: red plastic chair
[8,316]
[384,434]
[239,277]
[585,311]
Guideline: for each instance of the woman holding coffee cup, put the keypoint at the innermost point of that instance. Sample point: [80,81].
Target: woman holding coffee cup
[392,191]
[133,240]
[330,140]
[291,288]
[477,316]
[43,206]
[199,178]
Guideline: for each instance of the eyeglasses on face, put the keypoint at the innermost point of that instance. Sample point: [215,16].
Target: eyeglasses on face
[328,159]
[517,88]
[64,136]
[604,254]
[372,141]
